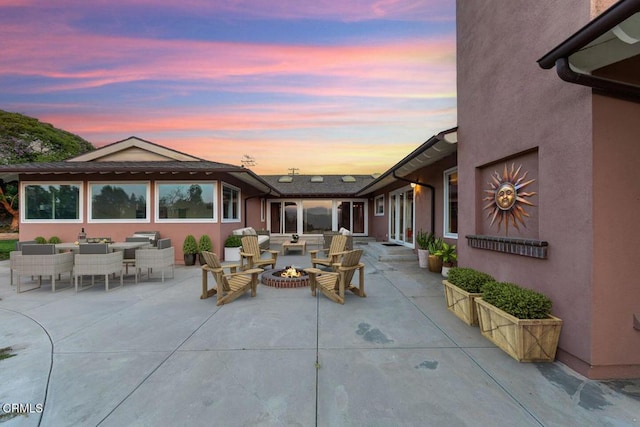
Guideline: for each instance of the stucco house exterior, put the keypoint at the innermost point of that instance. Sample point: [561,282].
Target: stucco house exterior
[536,185]
[576,218]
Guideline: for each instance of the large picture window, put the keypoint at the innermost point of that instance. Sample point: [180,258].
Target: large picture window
[451,203]
[48,202]
[230,204]
[316,216]
[186,201]
[119,202]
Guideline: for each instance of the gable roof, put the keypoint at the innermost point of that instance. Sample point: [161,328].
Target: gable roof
[133,149]
[134,156]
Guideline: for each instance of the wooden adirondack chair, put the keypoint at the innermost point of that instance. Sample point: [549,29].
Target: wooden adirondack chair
[334,284]
[252,253]
[229,286]
[332,254]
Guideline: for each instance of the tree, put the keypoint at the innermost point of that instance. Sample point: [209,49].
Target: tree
[24,139]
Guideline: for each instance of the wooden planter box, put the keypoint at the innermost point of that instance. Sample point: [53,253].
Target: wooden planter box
[461,303]
[526,340]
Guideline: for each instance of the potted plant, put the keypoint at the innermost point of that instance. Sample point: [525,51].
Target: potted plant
[518,321]
[232,247]
[423,239]
[434,261]
[55,240]
[204,244]
[189,249]
[449,256]
[461,289]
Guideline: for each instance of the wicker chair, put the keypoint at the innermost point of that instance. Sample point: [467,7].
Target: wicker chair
[332,254]
[130,254]
[253,254]
[18,251]
[229,286]
[160,258]
[95,259]
[334,284]
[40,260]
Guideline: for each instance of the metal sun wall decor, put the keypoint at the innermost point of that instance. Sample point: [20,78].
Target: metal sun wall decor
[506,200]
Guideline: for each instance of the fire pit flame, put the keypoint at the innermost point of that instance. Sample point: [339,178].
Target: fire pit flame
[290,272]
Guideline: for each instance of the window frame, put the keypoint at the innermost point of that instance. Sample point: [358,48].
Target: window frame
[23,201]
[222,207]
[446,223]
[91,220]
[378,202]
[156,203]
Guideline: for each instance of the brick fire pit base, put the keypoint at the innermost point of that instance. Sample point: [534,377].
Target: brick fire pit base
[273,279]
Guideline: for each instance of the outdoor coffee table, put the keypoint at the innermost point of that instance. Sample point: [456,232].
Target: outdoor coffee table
[300,244]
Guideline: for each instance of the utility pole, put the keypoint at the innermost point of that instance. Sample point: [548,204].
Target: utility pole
[293,171]
[248,160]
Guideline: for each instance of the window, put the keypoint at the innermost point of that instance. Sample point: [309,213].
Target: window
[119,202]
[316,216]
[48,202]
[186,201]
[379,206]
[230,204]
[451,203]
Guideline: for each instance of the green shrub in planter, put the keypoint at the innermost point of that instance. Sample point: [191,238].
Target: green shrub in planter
[204,244]
[469,279]
[233,241]
[40,240]
[190,246]
[55,240]
[519,302]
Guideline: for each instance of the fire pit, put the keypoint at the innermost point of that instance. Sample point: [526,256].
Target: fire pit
[290,277]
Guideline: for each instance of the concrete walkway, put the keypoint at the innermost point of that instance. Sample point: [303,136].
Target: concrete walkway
[154,354]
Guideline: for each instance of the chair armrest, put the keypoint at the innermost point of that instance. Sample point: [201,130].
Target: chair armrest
[246,254]
[353,267]
[242,273]
[271,251]
[312,270]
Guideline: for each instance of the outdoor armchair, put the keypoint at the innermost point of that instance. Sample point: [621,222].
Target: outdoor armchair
[329,256]
[334,284]
[252,254]
[40,260]
[18,251]
[161,258]
[95,259]
[130,254]
[229,286]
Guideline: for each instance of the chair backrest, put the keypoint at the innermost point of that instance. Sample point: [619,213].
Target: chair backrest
[131,253]
[39,249]
[153,236]
[350,259]
[211,259]
[250,245]
[19,244]
[94,248]
[164,243]
[338,242]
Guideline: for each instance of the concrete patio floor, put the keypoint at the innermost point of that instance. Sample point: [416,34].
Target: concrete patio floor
[154,354]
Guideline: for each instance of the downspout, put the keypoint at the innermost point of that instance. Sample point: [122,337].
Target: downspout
[433,197]
[253,197]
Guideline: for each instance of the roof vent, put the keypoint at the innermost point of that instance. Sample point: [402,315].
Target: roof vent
[317,178]
[348,178]
[287,178]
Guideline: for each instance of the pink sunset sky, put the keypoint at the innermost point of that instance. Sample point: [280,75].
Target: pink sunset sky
[325,86]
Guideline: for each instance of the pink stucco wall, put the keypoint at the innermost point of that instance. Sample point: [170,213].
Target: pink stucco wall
[508,105]
[616,230]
